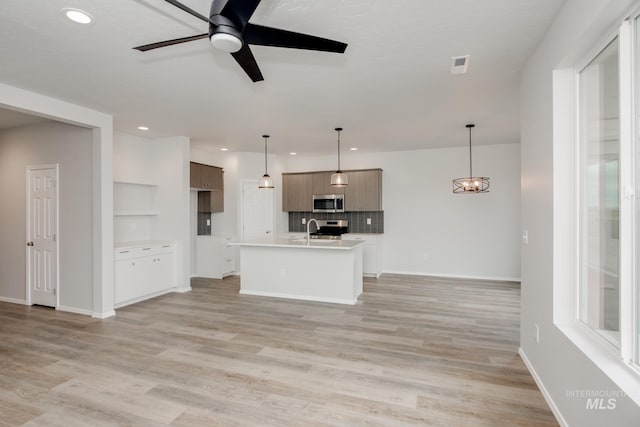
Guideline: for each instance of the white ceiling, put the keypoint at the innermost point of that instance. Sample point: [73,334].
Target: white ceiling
[390,90]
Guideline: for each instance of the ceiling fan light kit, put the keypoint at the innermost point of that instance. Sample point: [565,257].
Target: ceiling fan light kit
[226,42]
[230,31]
[471,184]
[339,179]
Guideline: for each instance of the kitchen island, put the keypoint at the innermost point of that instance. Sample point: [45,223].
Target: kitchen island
[321,270]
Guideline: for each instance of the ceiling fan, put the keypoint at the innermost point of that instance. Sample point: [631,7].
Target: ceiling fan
[231,31]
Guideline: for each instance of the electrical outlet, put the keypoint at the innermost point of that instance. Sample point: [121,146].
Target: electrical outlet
[208,223]
[525,237]
[536,332]
[368,221]
[304,221]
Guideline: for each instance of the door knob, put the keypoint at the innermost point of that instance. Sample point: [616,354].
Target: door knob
[29,243]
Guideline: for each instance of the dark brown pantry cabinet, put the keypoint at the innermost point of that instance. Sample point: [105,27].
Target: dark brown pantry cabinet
[211,180]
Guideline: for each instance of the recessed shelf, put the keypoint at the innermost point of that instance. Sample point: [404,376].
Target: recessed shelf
[136,213]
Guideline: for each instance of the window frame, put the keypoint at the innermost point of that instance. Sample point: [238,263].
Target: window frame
[621,365]
[580,152]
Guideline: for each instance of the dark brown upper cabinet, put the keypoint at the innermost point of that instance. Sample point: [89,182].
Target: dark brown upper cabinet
[364,192]
[206,177]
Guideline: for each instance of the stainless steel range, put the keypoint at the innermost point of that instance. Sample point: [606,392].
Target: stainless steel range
[330,229]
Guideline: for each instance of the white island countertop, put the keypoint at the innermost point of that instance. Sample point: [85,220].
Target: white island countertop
[296,242]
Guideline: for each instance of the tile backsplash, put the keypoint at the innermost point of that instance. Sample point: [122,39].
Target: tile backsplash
[204,229]
[357,221]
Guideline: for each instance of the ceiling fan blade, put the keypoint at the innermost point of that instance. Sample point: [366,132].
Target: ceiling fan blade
[188,10]
[147,47]
[239,11]
[245,58]
[267,36]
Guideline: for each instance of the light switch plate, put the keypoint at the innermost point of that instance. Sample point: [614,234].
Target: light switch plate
[368,221]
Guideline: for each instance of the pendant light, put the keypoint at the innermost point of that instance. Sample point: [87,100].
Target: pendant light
[339,179]
[265,181]
[471,184]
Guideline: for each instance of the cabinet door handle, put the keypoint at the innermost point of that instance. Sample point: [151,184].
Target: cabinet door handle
[146,249]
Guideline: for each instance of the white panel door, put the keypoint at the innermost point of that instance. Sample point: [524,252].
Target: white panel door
[257,211]
[42,230]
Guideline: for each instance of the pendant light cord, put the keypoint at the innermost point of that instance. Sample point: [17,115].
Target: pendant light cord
[338,130]
[470,162]
[265,153]
[470,126]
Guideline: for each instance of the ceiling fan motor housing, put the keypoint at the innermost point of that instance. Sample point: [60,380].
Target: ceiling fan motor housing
[223,24]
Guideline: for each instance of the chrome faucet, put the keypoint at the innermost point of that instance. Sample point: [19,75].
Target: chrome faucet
[308,224]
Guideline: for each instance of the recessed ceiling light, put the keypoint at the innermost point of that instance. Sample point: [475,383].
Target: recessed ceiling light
[224,149]
[353,148]
[143,128]
[77,15]
[292,153]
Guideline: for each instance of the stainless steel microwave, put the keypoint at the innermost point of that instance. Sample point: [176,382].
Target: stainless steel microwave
[328,203]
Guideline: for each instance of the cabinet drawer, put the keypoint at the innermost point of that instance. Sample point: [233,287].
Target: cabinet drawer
[229,266]
[140,251]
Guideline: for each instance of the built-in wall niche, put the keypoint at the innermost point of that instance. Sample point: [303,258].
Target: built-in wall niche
[134,210]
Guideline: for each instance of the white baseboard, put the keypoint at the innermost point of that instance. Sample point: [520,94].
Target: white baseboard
[299,297]
[543,390]
[103,315]
[13,300]
[146,297]
[182,290]
[75,310]
[453,276]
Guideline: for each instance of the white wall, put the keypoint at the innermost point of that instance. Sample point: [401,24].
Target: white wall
[431,231]
[165,162]
[560,366]
[70,147]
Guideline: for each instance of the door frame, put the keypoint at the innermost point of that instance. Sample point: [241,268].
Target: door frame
[28,170]
[241,209]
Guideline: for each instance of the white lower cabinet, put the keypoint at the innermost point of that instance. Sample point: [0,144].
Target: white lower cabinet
[215,258]
[143,271]
[371,253]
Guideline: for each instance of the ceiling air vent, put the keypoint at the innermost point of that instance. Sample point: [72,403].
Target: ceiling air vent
[459,64]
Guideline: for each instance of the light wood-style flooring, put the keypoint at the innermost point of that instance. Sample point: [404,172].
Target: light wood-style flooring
[414,351]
